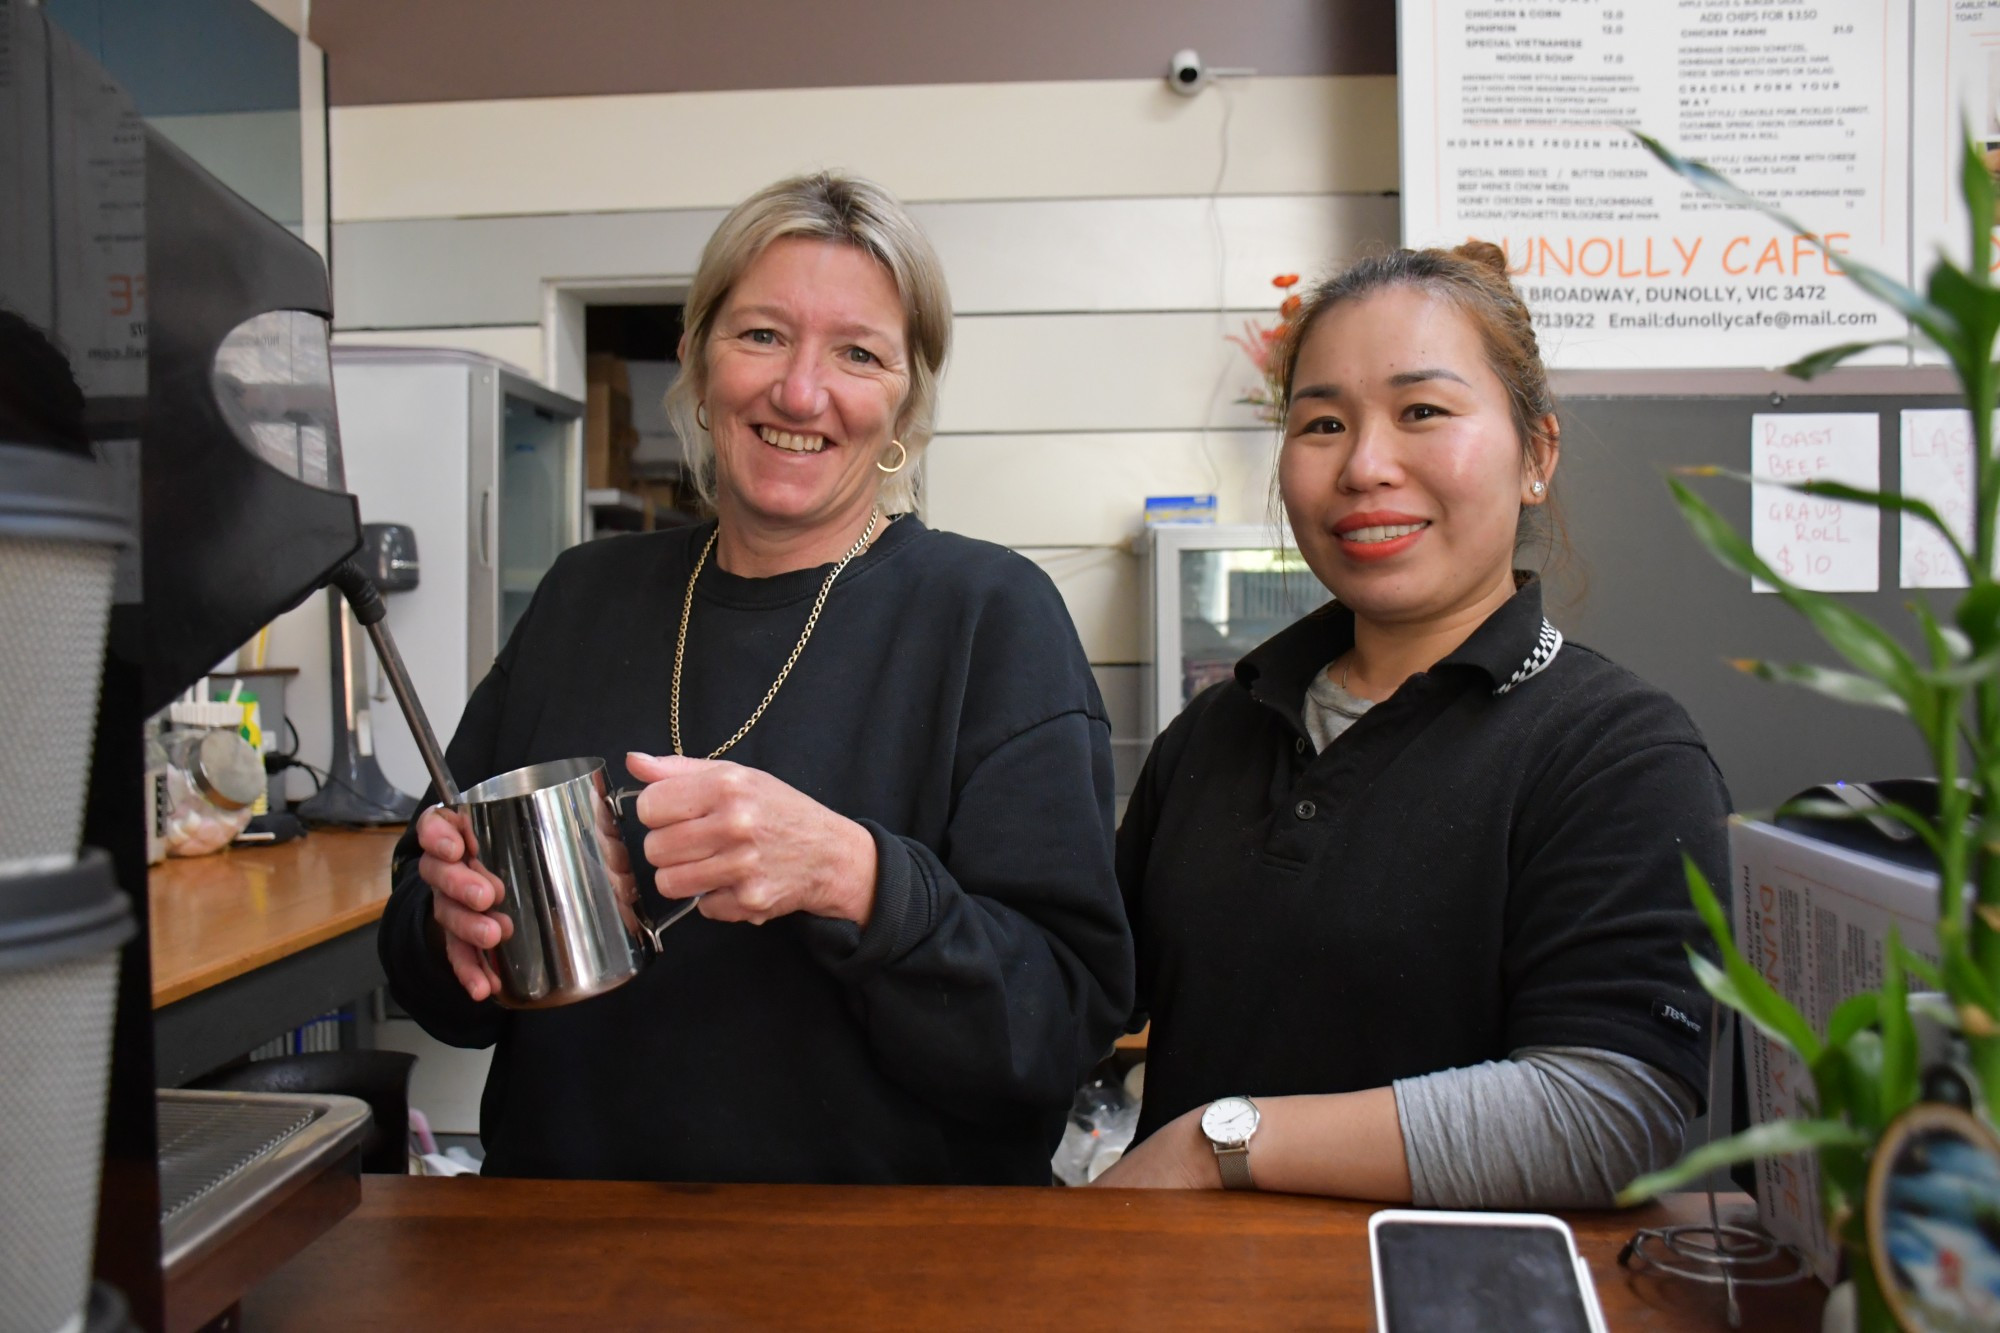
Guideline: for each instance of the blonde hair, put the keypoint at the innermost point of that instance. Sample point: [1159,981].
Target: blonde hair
[847,210]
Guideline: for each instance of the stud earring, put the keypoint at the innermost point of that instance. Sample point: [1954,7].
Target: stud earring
[1539,487]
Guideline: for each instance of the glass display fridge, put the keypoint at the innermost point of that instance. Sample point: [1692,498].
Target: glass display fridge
[1214,592]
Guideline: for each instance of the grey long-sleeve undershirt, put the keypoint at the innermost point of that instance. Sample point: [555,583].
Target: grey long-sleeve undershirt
[1548,1127]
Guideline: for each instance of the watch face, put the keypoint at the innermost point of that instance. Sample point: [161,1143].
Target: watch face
[1229,1121]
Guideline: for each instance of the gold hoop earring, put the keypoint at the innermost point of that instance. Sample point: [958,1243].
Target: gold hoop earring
[699,419]
[902,457]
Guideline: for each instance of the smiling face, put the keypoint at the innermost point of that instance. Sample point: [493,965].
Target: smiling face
[1402,471]
[807,370]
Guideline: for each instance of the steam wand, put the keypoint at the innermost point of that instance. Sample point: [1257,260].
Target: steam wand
[366,601]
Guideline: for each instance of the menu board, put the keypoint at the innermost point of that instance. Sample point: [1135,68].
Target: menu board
[1957,90]
[1514,120]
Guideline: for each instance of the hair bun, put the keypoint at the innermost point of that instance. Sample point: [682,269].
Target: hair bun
[1486,255]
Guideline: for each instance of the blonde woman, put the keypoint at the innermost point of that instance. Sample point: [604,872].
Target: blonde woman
[881,758]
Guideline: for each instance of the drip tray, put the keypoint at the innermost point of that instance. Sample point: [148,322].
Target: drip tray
[248,1179]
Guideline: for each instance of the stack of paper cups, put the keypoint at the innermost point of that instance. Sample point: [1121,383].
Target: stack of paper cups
[62,918]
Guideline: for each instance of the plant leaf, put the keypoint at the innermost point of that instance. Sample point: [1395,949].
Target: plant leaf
[1894,502]
[1899,1036]
[1925,971]
[1848,1079]
[1850,1016]
[1775,1139]
[1814,364]
[1978,614]
[1936,324]
[1739,985]
[1976,308]
[1865,645]
[1966,984]
[1975,182]
[1847,686]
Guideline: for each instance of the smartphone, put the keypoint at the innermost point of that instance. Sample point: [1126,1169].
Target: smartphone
[1441,1272]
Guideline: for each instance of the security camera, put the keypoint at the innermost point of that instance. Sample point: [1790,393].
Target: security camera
[1186,74]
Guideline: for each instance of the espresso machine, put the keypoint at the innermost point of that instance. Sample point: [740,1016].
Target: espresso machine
[170,481]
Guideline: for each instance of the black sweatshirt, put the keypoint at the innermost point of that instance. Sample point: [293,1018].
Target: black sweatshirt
[1488,859]
[944,703]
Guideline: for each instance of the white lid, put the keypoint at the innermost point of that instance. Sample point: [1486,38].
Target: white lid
[184,714]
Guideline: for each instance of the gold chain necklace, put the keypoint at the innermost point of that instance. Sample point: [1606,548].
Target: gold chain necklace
[687,610]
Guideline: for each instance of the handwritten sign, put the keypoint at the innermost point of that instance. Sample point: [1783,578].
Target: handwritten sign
[1826,545]
[1937,468]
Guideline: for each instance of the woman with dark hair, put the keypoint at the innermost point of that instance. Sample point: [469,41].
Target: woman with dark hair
[1408,891]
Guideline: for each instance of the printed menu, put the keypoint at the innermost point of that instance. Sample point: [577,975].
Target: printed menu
[1515,115]
[1957,90]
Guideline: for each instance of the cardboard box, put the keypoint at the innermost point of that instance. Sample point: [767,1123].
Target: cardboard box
[608,435]
[1814,919]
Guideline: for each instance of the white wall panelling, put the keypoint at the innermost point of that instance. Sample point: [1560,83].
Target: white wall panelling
[1064,489]
[1001,257]
[1094,372]
[520,347]
[491,270]
[1048,140]
[1020,257]
[1102,588]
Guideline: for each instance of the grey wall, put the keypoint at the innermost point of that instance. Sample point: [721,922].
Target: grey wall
[1657,603]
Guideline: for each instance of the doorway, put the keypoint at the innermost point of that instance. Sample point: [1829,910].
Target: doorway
[615,345]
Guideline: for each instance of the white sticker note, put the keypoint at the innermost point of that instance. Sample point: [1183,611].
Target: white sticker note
[1937,468]
[1826,545]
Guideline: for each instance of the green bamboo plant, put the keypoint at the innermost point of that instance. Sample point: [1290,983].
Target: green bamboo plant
[1864,1066]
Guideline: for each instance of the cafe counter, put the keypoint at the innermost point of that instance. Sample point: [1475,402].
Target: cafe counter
[508,1254]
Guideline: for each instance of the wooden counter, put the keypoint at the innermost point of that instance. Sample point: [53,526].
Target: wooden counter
[218,917]
[253,942]
[510,1254]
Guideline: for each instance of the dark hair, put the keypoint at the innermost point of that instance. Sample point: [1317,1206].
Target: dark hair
[1474,278]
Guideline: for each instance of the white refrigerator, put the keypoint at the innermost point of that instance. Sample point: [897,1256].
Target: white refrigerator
[487,467]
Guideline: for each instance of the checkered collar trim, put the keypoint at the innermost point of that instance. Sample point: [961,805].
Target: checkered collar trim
[1547,644]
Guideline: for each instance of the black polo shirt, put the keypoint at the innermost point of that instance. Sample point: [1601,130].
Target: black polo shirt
[1476,865]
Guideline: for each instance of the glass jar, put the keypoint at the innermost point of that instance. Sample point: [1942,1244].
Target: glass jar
[213,779]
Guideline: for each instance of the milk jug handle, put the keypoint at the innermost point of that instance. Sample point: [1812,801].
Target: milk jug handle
[621,801]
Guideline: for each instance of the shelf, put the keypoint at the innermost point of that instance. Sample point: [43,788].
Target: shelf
[611,498]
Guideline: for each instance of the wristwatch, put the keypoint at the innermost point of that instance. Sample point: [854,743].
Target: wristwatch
[1229,1122]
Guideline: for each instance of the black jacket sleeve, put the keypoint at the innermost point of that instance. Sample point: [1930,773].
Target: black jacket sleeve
[996,967]
[1598,913]
[992,977]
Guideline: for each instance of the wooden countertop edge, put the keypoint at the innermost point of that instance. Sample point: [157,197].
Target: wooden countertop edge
[167,990]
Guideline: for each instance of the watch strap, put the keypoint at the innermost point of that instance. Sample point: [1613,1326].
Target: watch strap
[1233,1161]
